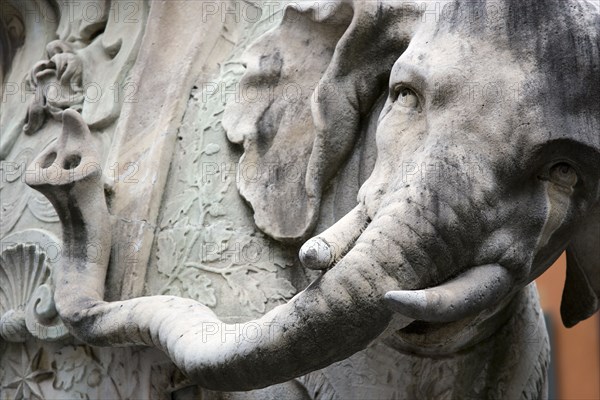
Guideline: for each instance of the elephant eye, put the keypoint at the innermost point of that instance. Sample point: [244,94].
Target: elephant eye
[406,97]
[563,174]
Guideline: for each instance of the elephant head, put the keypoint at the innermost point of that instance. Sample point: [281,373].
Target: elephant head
[481,162]
[487,169]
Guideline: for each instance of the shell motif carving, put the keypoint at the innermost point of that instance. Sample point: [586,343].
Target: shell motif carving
[26,297]
[22,270]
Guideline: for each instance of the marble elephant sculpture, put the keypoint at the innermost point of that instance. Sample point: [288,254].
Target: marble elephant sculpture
[432,249]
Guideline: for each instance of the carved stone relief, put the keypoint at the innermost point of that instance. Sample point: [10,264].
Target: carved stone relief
[188,151]
[27,290]
[75,371]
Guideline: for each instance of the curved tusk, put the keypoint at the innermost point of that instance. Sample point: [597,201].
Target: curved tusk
[324,250]
[469,293]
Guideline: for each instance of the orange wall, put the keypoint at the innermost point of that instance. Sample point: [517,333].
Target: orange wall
[576,351]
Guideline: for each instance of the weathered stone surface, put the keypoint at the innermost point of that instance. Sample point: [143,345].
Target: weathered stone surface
[443,154]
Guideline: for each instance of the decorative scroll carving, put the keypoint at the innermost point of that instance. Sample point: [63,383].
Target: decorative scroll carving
[39,21]
[102,46]
[85,69]
[58,84]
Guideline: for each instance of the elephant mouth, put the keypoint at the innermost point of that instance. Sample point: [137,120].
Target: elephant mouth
[445,314]
[440,338]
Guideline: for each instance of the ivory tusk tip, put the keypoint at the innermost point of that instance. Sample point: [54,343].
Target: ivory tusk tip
[406,302]
[316,254]
[471,292]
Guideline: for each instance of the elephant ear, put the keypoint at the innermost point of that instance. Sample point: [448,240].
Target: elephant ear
[356,77]
[309,84]
[581,295]
[270,115]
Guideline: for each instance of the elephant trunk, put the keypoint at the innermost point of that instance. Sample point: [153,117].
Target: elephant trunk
[337,315]
[69,175]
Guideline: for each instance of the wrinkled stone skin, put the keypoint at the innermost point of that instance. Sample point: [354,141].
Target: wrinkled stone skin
[473,195]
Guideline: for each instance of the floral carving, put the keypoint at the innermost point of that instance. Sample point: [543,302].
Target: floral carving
[170,263]
[27,375]
[201,247]
[76,365]
[79,372]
